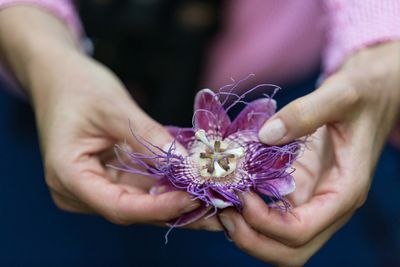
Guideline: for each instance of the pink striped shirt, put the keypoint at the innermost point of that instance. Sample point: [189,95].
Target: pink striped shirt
[283,41]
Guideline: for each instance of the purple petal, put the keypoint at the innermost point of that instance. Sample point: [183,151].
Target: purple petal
[242,138]
[222,198]
[209,114]
[266,161]
[282,161]
[278,187]
[191,216]
[183,135]
[253,116]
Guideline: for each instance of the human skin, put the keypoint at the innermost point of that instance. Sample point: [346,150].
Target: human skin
[82,110]
[348,118]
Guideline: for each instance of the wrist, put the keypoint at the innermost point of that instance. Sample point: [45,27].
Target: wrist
[374,72]
[23,45]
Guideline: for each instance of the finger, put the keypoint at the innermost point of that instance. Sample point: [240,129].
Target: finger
[122,207]
[211,224]
[131,182]
[270,250]
[305,115]
[206,223]
[138,129]
[302,224]
[315,158]
[67,204]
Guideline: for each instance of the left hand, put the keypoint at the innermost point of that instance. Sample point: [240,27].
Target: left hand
[349,118]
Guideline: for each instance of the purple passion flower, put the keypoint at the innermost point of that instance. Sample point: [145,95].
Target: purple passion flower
[225,158]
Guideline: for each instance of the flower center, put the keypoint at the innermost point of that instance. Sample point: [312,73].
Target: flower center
[216,160]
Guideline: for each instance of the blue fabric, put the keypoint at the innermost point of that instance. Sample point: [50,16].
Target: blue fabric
[33,232]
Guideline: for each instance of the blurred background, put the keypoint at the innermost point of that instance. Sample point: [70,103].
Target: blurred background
[158,48]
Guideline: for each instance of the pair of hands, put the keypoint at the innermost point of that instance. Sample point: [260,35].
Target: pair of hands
[82,110]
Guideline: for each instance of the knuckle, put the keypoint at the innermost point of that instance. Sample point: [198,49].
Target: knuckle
[297,241]
[52,167]
[292,262]
[303,111]
[350,96]
[298,237]
[115,214]
[245,243]
[254,218]
[148,129]
[116,218]
[291,257]
[52,182]
[60,204]
[167,215]
[361,200]
[169,206]
[299,106]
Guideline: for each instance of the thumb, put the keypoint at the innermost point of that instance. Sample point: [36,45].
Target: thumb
[140,130]
[305,115]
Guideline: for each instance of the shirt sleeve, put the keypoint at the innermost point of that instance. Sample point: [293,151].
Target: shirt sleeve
[355,24]
[62,9]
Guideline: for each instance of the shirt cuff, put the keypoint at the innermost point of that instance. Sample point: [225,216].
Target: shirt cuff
[63,9]
[355,24]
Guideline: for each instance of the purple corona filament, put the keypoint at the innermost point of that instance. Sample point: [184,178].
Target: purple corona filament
[225,158]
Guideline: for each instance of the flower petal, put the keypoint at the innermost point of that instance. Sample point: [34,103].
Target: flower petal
[242,138]
[209,114]
[253,116]
[220,204]
[262,160]
[278,187]
[222,198]
[184,136]
[191,216]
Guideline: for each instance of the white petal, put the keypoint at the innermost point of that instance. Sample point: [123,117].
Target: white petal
[238,152]
[219,203]
[218,170]
[201,135]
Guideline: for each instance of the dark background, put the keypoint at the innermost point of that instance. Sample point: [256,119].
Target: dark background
[158,54]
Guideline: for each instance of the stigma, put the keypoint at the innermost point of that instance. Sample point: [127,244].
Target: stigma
[215,159]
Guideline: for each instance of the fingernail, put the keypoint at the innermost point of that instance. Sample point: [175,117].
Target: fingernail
[192,207]
[179,149]
[273,131]
[227,223]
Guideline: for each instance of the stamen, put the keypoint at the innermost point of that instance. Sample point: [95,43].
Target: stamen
[217,146]
[210,168]
[201,135]
[237,152]
[224,164]
[219,171]
[206,155]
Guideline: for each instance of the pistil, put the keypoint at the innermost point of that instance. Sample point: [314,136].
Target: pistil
[219,161]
